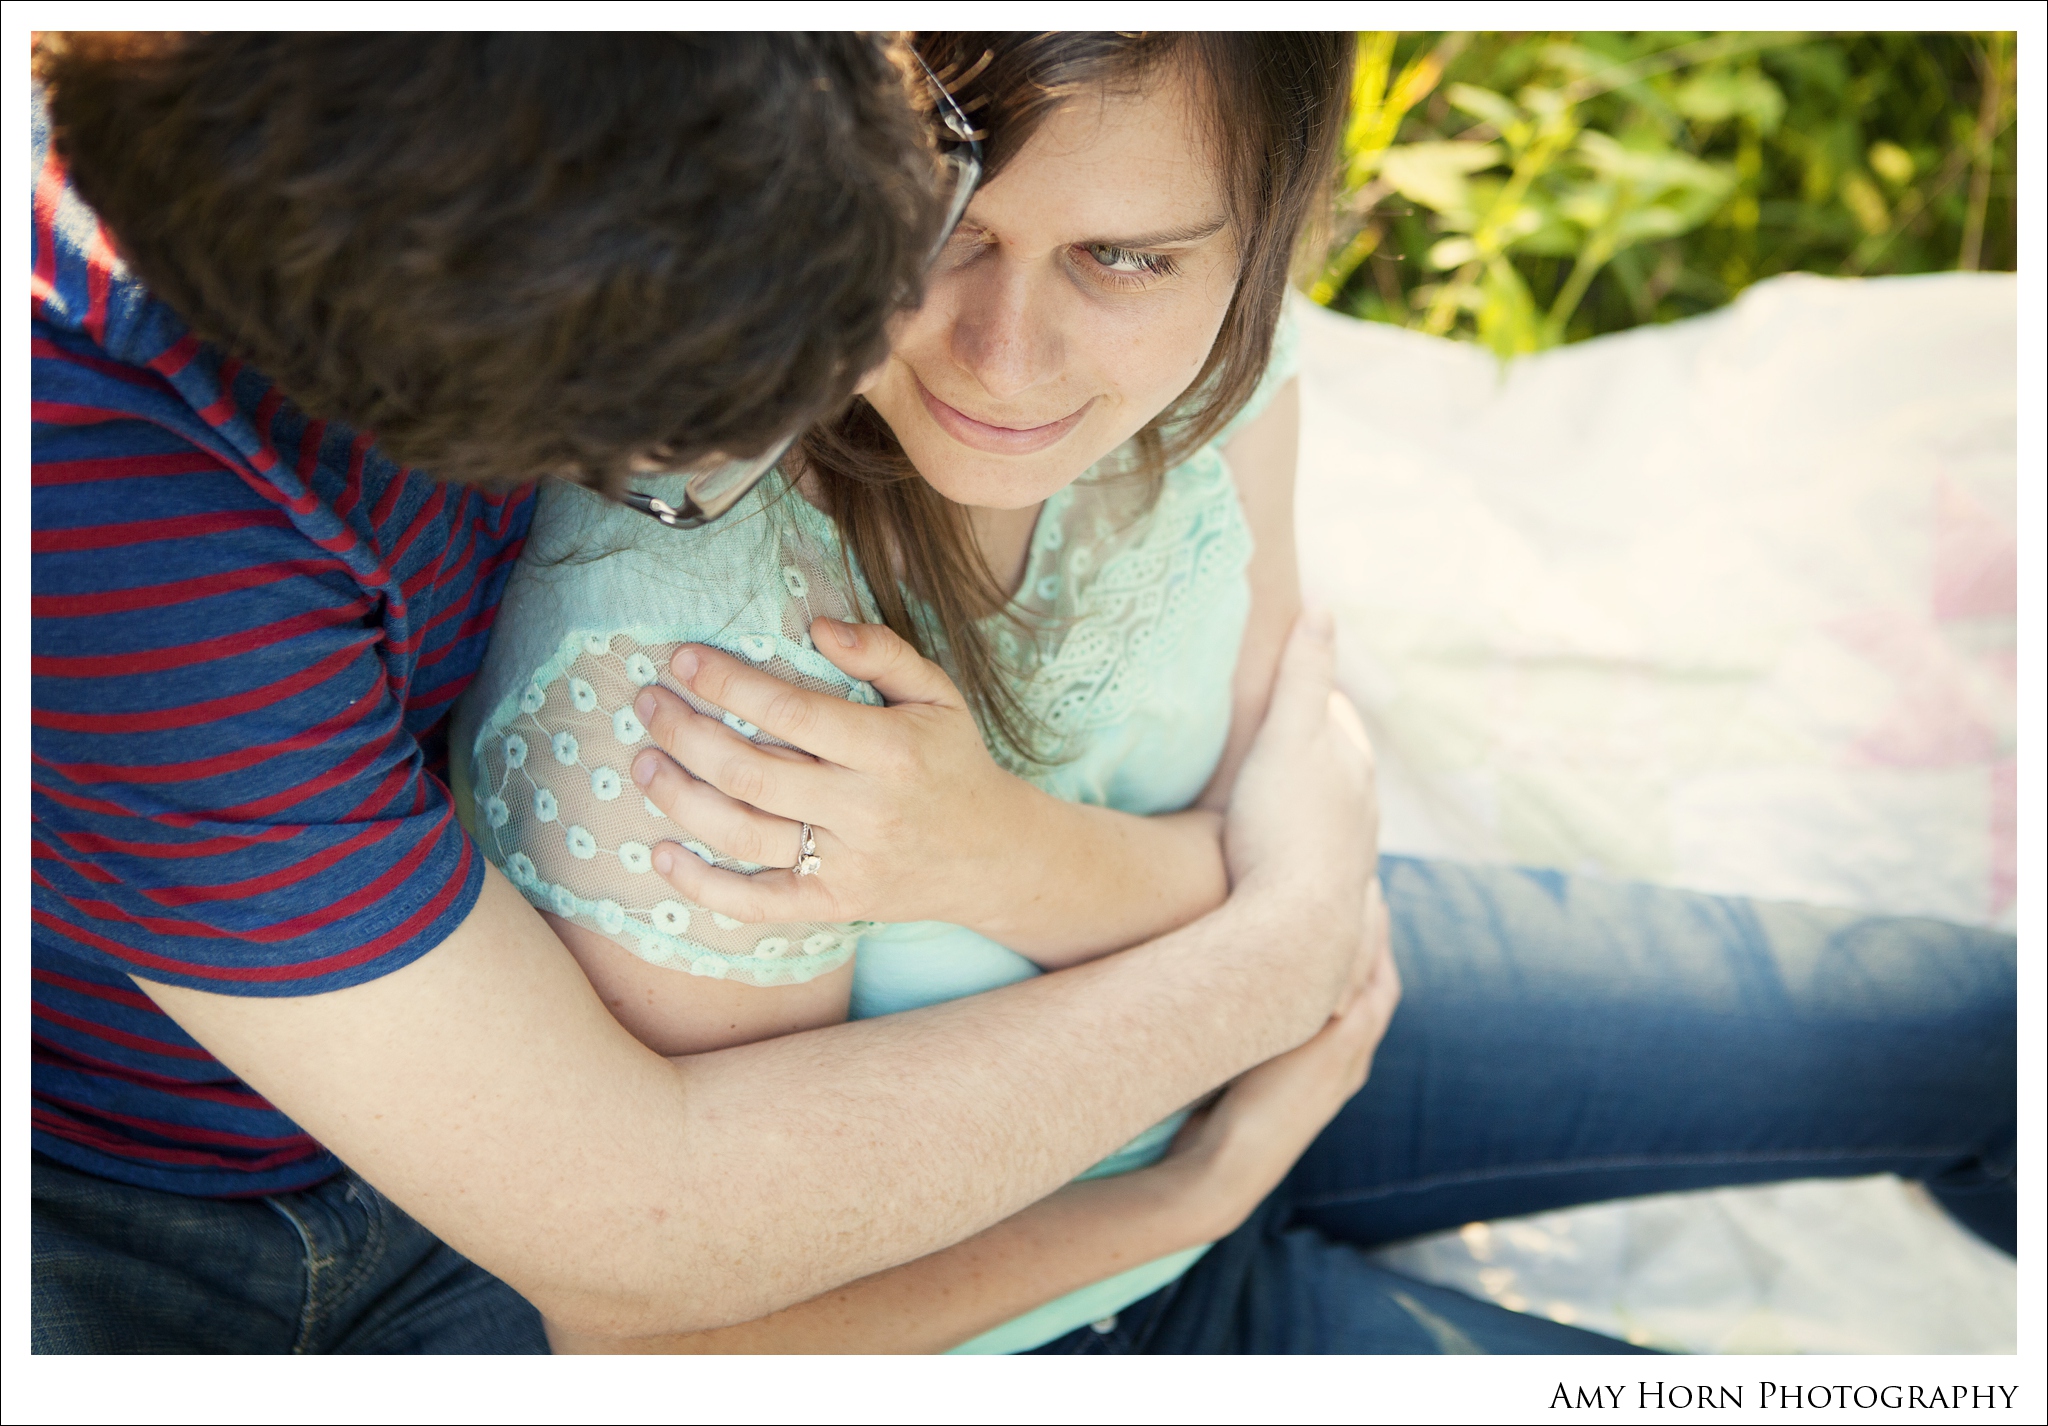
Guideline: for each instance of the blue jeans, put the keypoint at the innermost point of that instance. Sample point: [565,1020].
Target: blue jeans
[1561,1041]
[332,1268]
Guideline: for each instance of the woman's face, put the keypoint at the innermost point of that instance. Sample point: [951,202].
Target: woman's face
[1079,297]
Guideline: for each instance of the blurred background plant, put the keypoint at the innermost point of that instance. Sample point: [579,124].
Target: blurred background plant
[1526,190]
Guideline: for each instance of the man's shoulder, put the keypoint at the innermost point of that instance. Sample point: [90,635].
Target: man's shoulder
[123,393]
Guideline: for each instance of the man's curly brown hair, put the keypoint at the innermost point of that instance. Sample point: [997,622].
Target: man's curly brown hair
[517,254]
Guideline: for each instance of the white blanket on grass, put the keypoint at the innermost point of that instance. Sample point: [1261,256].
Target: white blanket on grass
[1726,604]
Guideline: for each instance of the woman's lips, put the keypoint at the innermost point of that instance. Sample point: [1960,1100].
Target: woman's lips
[999,440]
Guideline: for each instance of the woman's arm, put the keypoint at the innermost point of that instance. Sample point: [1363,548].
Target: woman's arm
[1222,1165]
[1262,457]
[915,820]
[673,1012]
[1081,1234]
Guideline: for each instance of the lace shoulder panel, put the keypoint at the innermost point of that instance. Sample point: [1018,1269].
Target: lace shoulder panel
[555,806]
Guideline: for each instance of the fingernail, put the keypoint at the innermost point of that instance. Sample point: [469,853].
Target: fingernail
[844,633]
[644,769]
[664,860]
[644,706]
[685,664]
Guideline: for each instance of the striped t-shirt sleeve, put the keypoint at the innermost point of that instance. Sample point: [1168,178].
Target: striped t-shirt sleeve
[249,627]
[226,791]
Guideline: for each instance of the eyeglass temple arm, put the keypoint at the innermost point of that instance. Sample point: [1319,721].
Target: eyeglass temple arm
[952,115]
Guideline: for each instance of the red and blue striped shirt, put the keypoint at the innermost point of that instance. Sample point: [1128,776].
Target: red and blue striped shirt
[249,628]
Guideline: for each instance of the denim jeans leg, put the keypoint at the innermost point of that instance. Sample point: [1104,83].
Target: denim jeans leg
[332,1268]
[1563,1040]
[1269,1289]
[116,1269]
[385,1285]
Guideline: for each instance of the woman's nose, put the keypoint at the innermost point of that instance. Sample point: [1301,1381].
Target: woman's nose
[1004,332]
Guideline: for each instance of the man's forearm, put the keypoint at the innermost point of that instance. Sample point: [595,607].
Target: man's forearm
[1078,1235]
[935,1124]
[488,1092]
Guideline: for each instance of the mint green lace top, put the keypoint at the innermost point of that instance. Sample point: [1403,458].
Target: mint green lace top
[1141,607]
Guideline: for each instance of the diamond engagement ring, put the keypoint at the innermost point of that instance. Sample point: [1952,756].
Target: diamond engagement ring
[807,853]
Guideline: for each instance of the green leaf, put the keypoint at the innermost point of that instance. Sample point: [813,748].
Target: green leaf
[1863,200]
[1574,61]
[1508,322]
[1436,174]
[1715,95]
[1655,175]
[1691,188]
[1642,225]
[1496,109]
[1552,237]
[1452,252]
[1892,163]
[1544,103]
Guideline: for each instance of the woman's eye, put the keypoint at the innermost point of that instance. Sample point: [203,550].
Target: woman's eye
[1125,263]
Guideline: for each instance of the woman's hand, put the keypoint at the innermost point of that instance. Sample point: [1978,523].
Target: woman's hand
[912,819]
[1237,1150]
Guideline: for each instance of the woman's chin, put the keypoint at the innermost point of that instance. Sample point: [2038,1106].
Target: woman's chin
[991,483]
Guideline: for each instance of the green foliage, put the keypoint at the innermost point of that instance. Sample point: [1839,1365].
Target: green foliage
[1526,190]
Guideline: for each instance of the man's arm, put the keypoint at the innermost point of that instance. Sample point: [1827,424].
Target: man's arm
[1221,1167]
[486,1090]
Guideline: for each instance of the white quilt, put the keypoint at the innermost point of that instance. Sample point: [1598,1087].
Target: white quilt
[1726,604]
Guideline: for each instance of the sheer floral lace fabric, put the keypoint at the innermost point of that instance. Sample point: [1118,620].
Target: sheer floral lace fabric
[1133,599]
[556,807]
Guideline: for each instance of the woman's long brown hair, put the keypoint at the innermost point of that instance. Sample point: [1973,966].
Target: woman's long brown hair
[1276,104]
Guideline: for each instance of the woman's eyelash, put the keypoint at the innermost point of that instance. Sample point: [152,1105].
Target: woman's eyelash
[1123,262]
